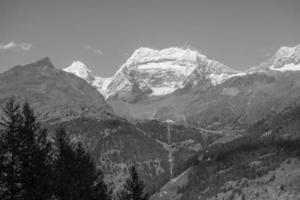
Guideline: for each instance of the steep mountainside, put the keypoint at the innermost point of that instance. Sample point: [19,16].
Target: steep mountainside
[55,94]
[243,100]
[150,72]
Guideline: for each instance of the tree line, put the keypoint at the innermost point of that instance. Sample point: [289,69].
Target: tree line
[34,166]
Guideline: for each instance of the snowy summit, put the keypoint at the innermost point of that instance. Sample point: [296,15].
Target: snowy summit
[153,72]
[81,70]
[284,60]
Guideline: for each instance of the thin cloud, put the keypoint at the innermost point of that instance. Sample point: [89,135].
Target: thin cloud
[12,45]
[94,50]
[25,46]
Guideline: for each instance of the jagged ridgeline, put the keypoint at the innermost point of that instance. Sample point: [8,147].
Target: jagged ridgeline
[184,120]
[187,87]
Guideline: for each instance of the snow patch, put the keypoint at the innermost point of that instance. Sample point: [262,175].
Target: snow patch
[287,67]
[162,91]
[220,78]
[167,66]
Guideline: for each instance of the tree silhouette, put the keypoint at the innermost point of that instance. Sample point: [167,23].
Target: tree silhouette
[25,152]
[11,146]
[76,175]
[32,168]
[35,157]
[133,188]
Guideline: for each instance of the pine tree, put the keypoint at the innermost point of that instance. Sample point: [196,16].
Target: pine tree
[133,188]
[35,157]
[11,146]
[76,175]
[26,163]
[63,181]
[90,180]
[24,155]
[2,165]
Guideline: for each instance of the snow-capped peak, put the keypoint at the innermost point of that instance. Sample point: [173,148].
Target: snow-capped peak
[81,70]
[287,51]
[285,59]
[161,72]
[152,72]
[144,55]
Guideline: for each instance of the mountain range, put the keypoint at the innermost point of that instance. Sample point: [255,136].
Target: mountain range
[186,87]
[160,110]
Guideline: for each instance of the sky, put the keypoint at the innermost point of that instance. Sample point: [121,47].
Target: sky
[104,33]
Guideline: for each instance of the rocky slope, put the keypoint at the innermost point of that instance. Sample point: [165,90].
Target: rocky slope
[55,94]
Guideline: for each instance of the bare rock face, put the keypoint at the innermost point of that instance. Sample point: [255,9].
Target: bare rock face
[55,94]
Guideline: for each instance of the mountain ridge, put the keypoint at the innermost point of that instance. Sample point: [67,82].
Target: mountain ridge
[171,128]
[53,92]
[181,64]
[145,67]
[192,96]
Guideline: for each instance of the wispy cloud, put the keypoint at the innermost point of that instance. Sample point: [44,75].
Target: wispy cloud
[12,45]
[94,50]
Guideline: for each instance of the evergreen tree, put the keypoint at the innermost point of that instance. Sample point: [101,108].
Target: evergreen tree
[76,175]
[11,146]
[24,155]
[90,180]
[133,188]
[26,163]
[63,181]
[35,157]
